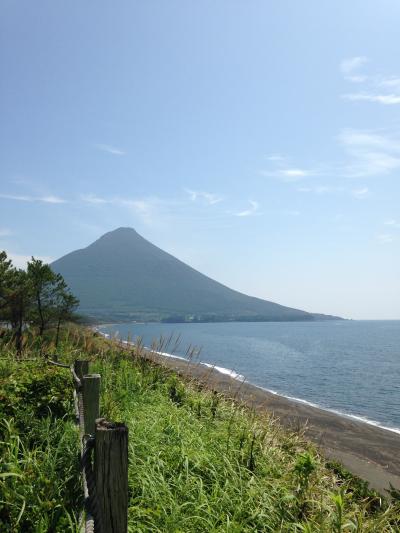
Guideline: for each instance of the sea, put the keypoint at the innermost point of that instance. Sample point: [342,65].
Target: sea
[348,367]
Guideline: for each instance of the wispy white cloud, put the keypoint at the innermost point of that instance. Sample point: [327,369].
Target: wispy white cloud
[357,78]
[392,223]
[283,169]
[254,207]
[207,197]
[351,64]
[17,197]
[365,138]
[147,209]
[93,199]
[385,238]
[391,82]
[321,189]
[294,173]
[109,149]
[288,175]
[50,199]
[366,154]
[362,193]
[151,209]
[386,99]
[369,153]
[379,89]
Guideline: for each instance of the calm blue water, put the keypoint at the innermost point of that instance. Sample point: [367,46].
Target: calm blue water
[352,367]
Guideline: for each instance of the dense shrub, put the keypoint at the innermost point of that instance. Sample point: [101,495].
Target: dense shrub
[39,475]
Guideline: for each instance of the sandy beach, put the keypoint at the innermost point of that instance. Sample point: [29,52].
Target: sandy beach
[365,450]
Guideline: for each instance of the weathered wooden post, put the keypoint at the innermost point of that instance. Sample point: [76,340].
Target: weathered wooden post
[111,474]
[91,401]
[81,368]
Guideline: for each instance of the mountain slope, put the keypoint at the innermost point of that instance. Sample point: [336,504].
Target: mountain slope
[123,276]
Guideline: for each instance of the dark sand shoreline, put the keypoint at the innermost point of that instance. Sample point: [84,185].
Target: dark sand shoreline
[370,452]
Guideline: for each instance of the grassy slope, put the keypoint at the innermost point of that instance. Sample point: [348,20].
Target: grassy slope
[39,476]
[198,462]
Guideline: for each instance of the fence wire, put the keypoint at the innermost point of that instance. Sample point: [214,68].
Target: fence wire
[92,508]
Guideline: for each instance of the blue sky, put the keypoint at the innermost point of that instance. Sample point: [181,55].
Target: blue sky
[257,141]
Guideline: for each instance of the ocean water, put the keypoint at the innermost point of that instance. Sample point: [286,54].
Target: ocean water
[349,367]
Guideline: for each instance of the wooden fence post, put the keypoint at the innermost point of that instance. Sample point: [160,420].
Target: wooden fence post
[111,473]
[81,368]
[91,401]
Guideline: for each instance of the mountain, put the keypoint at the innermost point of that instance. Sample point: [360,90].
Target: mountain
[122,276]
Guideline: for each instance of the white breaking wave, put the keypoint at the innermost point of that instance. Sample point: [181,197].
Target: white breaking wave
[358,418]
[226,371]
[165,354]
[220,369]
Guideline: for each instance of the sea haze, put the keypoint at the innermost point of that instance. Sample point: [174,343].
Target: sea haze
[350,367]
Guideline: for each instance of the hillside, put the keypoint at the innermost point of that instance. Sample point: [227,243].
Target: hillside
[122,276]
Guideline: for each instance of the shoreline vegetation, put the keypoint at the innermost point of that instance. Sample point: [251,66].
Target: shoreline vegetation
[201,458]
[90,318]
[366,450]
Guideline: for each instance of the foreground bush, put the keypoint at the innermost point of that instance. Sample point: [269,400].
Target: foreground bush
[39,476]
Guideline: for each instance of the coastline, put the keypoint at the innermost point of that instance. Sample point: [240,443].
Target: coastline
[235,375]
[366,450]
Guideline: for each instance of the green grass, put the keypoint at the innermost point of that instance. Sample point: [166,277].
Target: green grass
[39,475]
[198,462]
[201,463]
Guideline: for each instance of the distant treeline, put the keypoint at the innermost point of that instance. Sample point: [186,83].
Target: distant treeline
[96,316]
[177,319]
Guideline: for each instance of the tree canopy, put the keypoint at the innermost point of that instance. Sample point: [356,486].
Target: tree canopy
[37,298]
